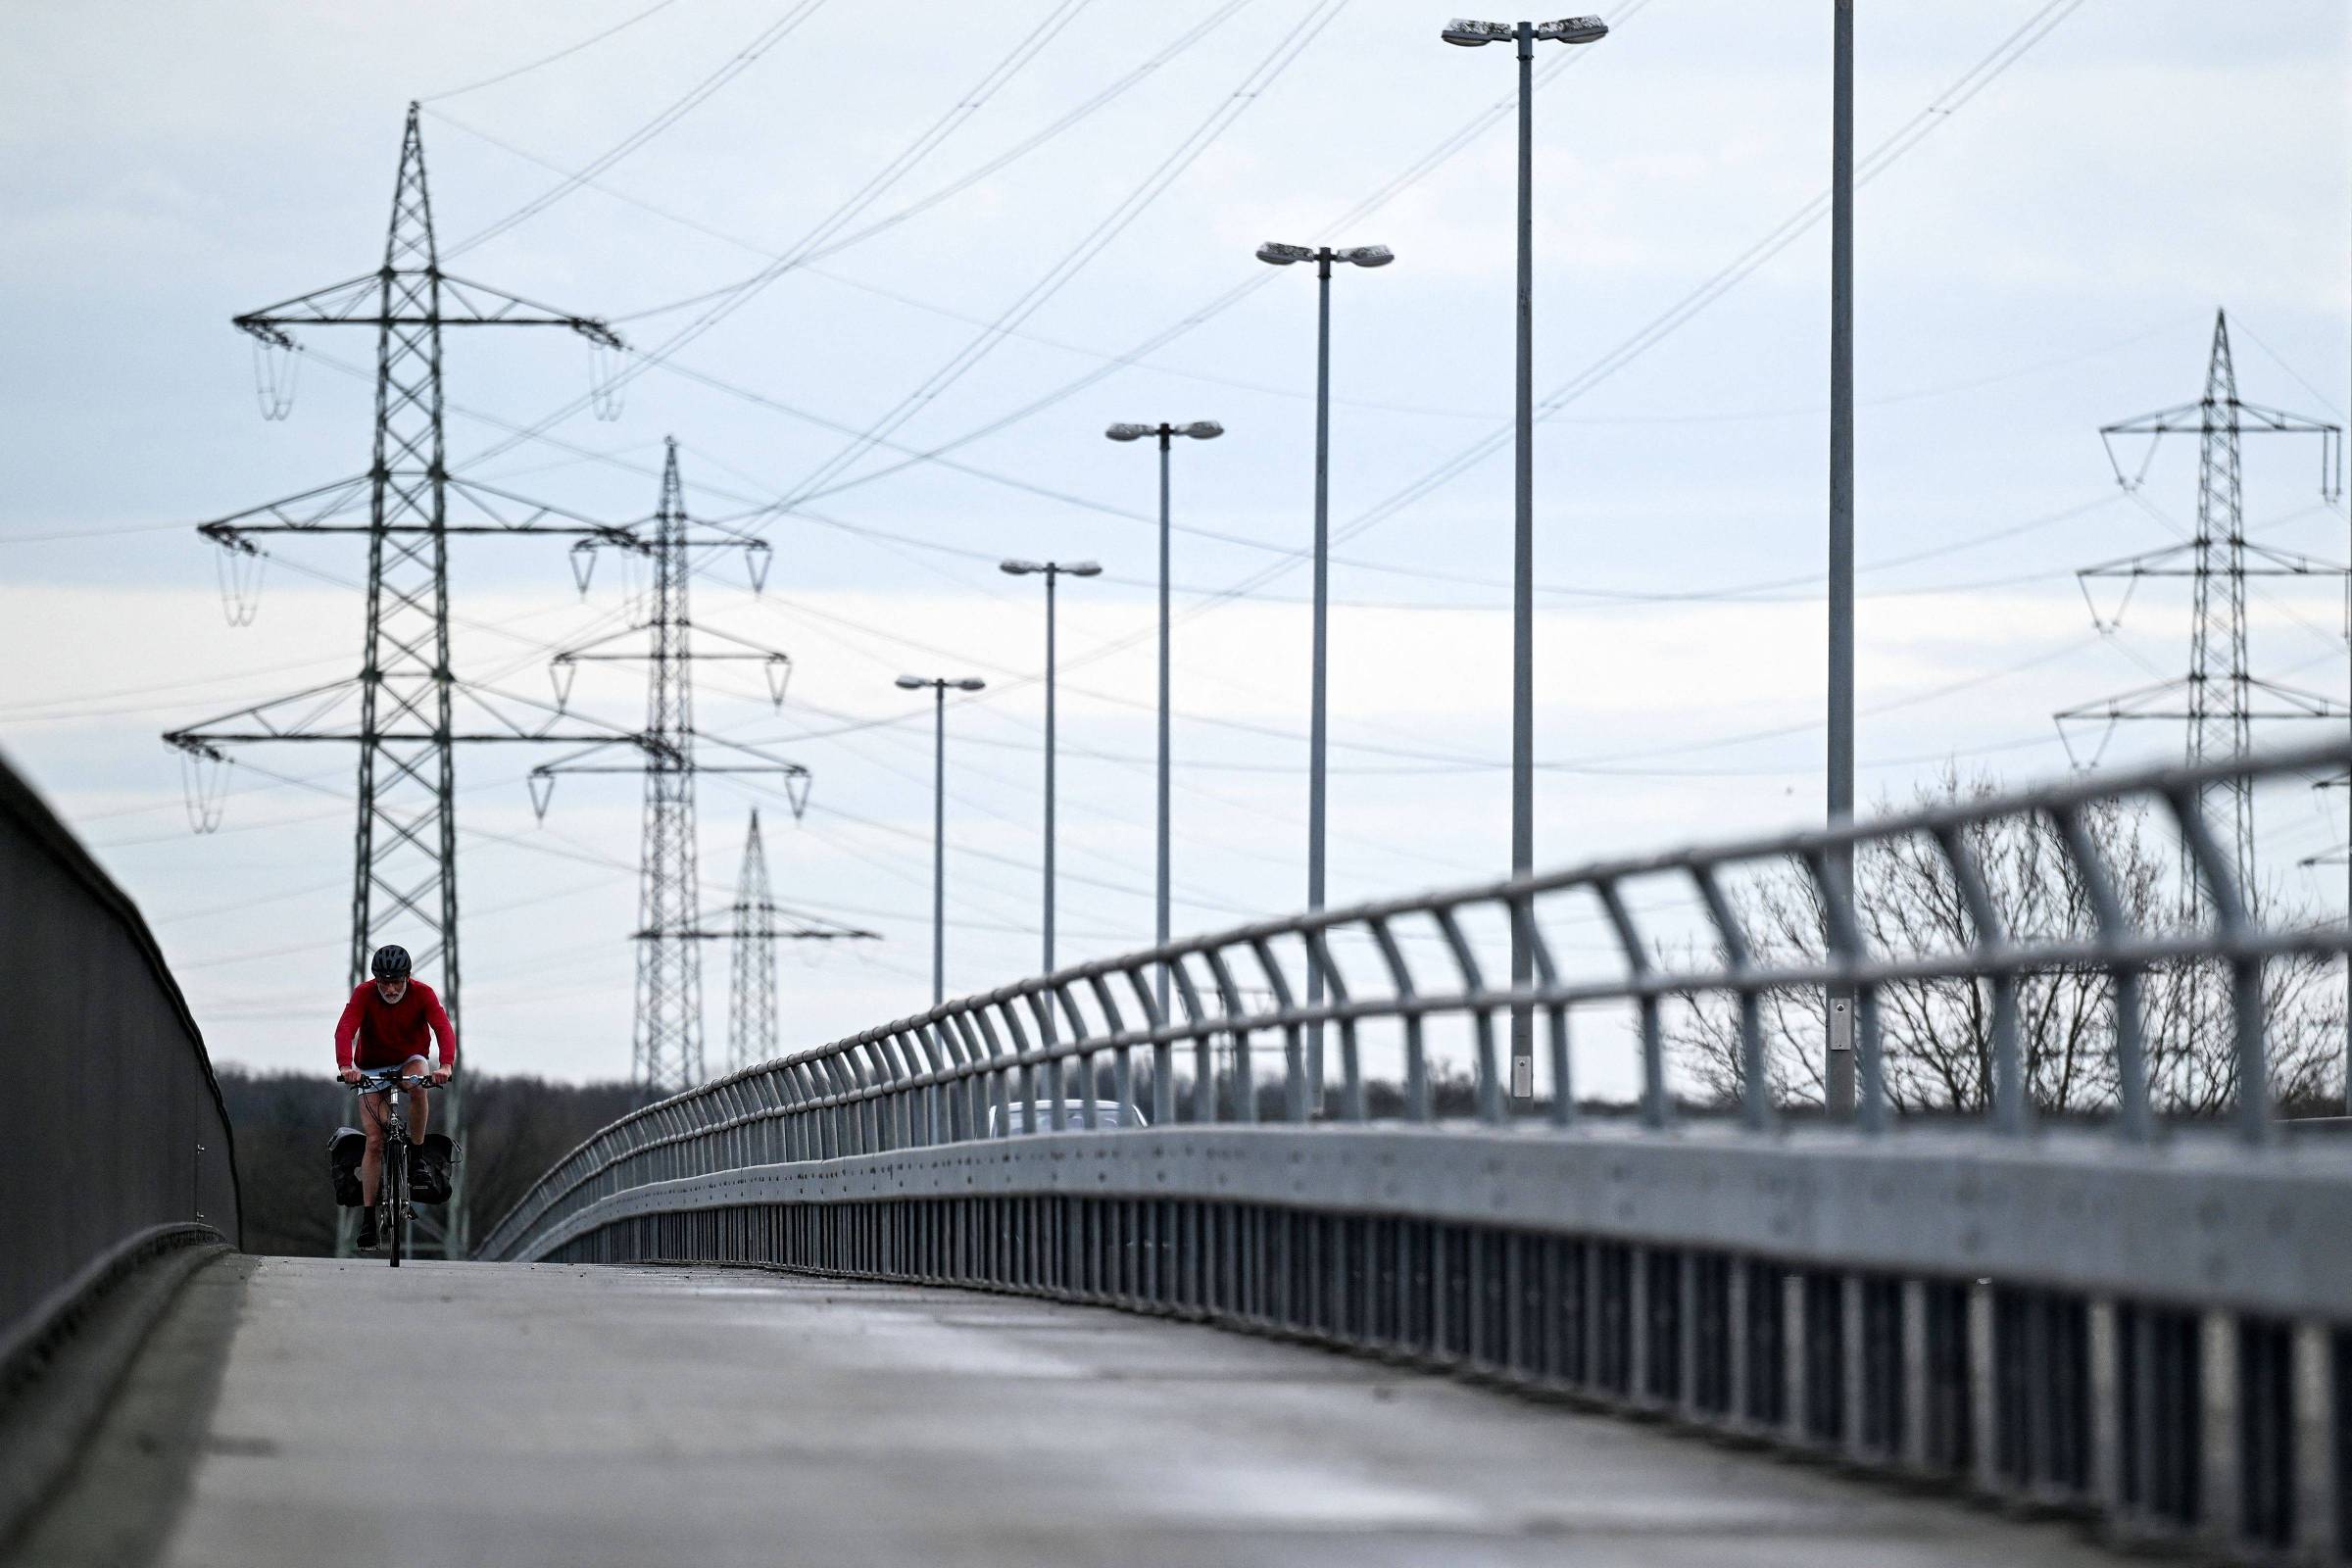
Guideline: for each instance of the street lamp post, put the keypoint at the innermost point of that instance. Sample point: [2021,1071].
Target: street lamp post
[939,687]
[1471,35]
[1837,1068]
[1050,570]
[1197,430]
[1318,710]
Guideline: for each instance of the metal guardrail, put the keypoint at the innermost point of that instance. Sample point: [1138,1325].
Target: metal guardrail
[117,1144]
[2146,1322]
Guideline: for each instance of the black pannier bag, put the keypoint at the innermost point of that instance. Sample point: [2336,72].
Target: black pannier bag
[430,1165]
[344,1151]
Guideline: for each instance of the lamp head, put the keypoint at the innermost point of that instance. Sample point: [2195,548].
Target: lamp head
[1018,568]
[1472,34]
[1365,256]
[1127,432]
[1084,568]
[1201,429]
[911,684]
[1281,255]
[1573,29]
[970,683]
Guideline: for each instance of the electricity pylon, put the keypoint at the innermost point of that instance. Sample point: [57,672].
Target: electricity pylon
[751,998]
[666,1047]
[403,709]
[2219,698]
[755,924]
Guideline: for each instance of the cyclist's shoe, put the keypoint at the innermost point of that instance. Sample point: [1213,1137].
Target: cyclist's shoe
[367,1239]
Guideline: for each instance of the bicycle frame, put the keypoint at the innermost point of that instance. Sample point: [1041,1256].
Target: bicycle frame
[394,1209]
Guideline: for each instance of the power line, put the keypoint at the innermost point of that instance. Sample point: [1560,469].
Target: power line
[694,97]
[1938,112]
[549,59]
[924,144]
[1318,15]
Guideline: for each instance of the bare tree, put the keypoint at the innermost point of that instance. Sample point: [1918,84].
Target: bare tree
[1937,1035]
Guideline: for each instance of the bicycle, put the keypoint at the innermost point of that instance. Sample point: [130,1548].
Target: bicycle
[394,1207]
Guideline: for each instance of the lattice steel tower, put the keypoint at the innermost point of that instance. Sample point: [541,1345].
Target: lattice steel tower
[401,709]
[2221,697]
[751,998]
[666,1047]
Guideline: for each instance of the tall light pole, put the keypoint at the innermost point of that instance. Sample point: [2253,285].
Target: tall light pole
[1050,570]
[1318,707]
[1197,430]
[1838,1065]
[939,687]
[1471,35]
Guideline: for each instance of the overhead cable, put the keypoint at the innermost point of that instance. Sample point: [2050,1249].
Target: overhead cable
[549,59]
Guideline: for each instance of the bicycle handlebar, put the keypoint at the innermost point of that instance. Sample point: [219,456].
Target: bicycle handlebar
[383,1083]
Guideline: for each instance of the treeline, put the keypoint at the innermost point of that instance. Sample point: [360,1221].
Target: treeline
[514,1129]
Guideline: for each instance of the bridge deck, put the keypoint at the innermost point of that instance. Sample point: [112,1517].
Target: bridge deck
[641,1416]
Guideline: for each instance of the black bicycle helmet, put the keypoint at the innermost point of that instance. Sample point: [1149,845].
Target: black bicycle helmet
[390,962]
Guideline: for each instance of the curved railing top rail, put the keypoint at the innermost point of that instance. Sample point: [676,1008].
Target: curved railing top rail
[976,1051]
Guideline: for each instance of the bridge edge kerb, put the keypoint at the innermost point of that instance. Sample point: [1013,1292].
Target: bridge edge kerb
[1918,1205]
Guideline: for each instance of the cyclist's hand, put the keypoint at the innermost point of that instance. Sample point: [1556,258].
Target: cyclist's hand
[440,1076]
[351,1075]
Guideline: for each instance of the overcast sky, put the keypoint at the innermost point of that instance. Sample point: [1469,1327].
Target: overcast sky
[2045,253]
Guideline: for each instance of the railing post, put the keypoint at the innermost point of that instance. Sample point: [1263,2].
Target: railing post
[2234,925]
[1416,1056]
[1482,1018]
[1755,1086]
[1656,1107]
[2012,1087]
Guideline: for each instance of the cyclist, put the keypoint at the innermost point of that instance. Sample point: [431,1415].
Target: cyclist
[385,1028]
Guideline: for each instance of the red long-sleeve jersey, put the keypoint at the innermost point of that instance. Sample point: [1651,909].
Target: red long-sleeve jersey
[386,1034]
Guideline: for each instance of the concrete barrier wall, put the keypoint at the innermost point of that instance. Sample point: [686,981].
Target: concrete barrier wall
[116,1136]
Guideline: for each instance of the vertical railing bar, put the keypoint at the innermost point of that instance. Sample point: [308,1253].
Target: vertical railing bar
[1400,979]
[988,1106]
[1080,1056]
[1040,1007]
[969,1091]
[1352,1070]
[2107,912]
[2012,1110]
[2233,925]
[1204,1048]
[1755,1086]
[939,1055]
[1027,1080]
[1294,1039]
[1245,1077]
[1482,1013]
[1655,1111]
[1163,1049]
[1122,1072]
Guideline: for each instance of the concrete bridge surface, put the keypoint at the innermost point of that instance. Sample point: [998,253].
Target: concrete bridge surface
[631,1416]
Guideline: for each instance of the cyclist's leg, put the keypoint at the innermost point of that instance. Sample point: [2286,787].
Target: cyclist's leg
[372,1163]
[419,1106]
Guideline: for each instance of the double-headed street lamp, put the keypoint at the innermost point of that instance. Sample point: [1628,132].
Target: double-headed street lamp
[1050,570]
[1281,255]
[1197,430]
[1472,34]
[939,687]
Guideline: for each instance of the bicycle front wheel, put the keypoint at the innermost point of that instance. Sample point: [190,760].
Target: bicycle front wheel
[395,1195]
